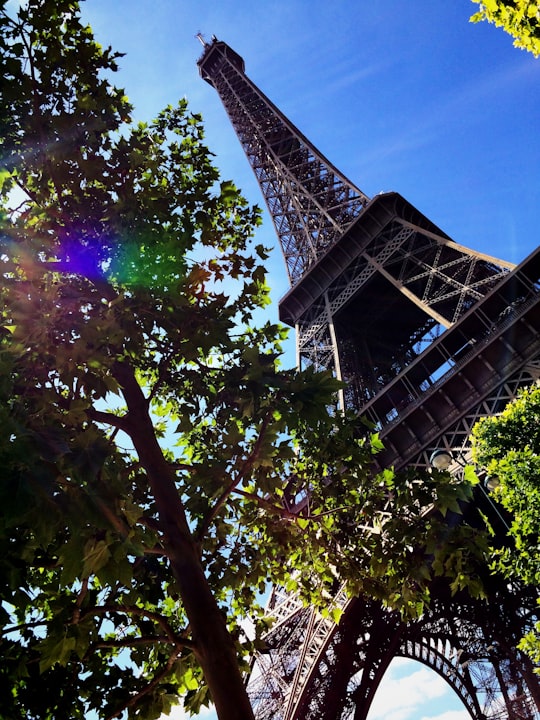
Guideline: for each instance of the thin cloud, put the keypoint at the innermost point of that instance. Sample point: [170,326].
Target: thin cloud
[450,715]
[208,713]
[462,107]
[473,94]
[406,697]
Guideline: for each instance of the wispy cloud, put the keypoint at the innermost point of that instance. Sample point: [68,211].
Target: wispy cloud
[209,713]
[420,693]
[450,715]
[473,94]
[462,106]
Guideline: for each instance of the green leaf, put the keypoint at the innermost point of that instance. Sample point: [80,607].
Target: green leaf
[56,650]
[96,556]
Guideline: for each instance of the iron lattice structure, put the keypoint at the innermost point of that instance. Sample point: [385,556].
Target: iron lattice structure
[429,337]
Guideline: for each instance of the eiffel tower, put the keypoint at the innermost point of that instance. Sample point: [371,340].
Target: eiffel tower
[428,336]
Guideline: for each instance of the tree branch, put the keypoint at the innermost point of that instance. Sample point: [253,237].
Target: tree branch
[23,626]
[78,603]
[116,421]
[149,522]
[172,637]
[34,198]
[162,369]
[130,642]
[247,465]
[184,466]
[39,126]
[268,505]
[151,685]
[291,515]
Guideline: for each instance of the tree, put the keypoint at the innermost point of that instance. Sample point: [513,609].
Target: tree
[158,467]
[507,446]
[519,18]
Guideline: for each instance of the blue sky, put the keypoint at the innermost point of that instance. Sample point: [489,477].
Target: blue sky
[399,95]
[405,96]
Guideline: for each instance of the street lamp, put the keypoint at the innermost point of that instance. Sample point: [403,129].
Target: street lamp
[441,459]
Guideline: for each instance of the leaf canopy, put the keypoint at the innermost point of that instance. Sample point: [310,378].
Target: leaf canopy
[519,18]
[507,446]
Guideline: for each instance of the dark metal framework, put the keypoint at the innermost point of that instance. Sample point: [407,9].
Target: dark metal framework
[429,336]
[472,650]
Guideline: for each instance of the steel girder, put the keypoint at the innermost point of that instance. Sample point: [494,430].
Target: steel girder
[381,295]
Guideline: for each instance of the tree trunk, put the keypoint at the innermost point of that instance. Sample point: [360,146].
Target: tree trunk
[215,648]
